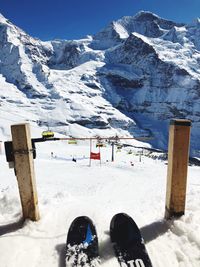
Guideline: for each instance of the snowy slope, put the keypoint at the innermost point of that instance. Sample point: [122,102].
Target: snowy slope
[67,189]
[145,23]
[129,79]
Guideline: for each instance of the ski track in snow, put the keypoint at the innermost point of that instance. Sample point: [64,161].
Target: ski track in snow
[69,189]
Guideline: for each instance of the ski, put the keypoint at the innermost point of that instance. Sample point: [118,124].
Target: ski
[82,244]
[128,243]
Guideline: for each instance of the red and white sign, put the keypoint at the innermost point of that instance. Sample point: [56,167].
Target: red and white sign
[95,156]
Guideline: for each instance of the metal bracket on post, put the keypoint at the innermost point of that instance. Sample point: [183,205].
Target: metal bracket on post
[10,152]
[8,145]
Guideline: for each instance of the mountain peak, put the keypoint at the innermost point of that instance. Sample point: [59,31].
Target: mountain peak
[144,22]
[195,23]
[138,72]
[3,19]
[146,15]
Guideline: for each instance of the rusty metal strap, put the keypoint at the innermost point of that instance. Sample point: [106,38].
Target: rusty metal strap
[24,151]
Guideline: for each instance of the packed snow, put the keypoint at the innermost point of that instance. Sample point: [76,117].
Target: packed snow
[76,254]
[133,183]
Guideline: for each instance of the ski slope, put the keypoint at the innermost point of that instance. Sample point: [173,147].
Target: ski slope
[68,189]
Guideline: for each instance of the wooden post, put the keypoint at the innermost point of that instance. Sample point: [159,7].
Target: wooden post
[24,169]
[178,154]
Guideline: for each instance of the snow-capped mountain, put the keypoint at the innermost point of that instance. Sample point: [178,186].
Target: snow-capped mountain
[131,78]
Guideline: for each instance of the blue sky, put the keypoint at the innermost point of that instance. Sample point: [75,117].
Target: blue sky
[73,19]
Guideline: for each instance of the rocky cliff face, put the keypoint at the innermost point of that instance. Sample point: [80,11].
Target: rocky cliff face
[132,77]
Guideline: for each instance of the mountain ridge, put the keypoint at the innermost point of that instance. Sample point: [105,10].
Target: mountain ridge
[132,77]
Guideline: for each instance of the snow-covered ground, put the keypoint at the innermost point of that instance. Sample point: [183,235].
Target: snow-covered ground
[72,87]
[68,189]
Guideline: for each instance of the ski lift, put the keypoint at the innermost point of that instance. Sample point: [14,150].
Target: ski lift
[119,146]
[100,144]
[72,142]
[47,134]
[130,152]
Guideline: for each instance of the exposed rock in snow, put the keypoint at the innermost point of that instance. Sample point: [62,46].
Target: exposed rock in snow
[145,23]
[130,78]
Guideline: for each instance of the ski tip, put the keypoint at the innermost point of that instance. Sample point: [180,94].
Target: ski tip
[81,230]
[82,243]
[127,242]
[124,229]
[80,220]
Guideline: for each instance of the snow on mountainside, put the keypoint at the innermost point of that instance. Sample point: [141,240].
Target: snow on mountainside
[145,23]
[131,78]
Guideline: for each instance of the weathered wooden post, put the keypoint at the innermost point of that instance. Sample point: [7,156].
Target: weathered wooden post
[178,154]
[24,169]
